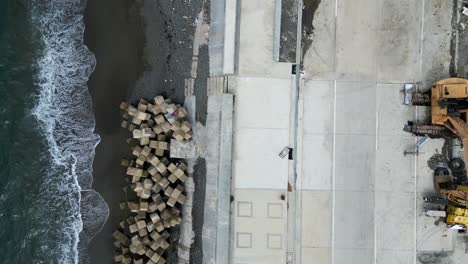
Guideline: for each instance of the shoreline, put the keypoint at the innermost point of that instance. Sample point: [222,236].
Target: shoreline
[116,38]
[142,49]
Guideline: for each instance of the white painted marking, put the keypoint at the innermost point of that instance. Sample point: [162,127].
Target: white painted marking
[333,174]
[421,40]
[336,8]
[376,130]
[415,197]
[375,193]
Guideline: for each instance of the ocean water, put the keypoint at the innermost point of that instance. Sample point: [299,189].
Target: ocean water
[48,211]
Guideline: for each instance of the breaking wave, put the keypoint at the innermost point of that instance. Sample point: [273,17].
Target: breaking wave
[65,112]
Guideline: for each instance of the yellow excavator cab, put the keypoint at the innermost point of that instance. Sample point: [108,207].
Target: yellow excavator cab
[444,90]
[457,211]
[457,220]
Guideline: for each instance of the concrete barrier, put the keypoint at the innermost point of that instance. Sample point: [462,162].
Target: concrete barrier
[218,180]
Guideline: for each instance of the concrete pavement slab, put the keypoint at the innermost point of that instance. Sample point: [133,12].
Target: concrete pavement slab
[436,45]
[354,220]
[256,52]
[256,160]
[319,255]
[317,219]
[393,170]
[390,256]
[398,40]
[260,226]
[355,255]
[262,102]
[394,219]
[317,156]
[398,55]
[320,62]
[318,106]
[391,113]
[354,162]
[355,108]
[355,53]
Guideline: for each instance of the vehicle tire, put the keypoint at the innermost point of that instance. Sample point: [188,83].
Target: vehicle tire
[457,165]
[441,172]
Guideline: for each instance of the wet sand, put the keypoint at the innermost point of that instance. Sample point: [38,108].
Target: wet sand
[143,49]
[114,34]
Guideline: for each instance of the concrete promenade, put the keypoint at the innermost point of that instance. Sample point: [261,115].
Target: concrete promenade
[357,198]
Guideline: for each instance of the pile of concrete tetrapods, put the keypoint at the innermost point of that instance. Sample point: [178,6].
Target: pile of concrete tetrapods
[157,181]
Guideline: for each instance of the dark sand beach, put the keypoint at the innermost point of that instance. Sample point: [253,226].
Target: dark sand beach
[143,49]
[116,38]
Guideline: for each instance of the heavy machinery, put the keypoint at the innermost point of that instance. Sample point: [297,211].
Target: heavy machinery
[449,104]
[448,100]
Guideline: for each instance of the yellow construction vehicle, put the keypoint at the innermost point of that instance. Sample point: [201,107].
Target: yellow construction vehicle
[457,216]
[449,107]
[448,100]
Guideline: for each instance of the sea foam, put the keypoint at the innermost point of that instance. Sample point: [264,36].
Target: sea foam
[64,109]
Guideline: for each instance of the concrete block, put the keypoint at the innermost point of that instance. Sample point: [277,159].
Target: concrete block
[188,135]
[136,121]
[141,224]
[152,207]
[141,160]
[159,119]
[119,258]
[152,170]
[143,232]
[155,217]
[181,199]
[177,191]
[125,162]
[159,100]
[133,228]
[124,106]
[165,161]
[135,178]
[146,150]
[155,235]
[171,167]
[161,167]
[178,135]
[156,188]
[171,202]
[164,183]
[150,227]
[183,178]
[144,206]
[120,237]
[136,151]
[137,187]
[145,194]
[147,184]
[131,110]
[168,191]
[186,126]
[136,241]
[166,127]
[172,178]
[153,160]
[134,207]
[142,107]
[158,129]
[159,152]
